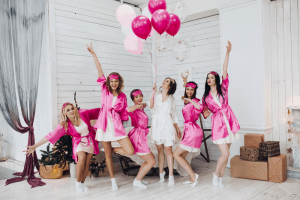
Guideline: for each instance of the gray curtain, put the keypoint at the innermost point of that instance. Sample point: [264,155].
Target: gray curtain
[21,32]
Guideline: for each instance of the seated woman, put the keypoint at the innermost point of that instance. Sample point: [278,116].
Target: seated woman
[138,137]
[76,124]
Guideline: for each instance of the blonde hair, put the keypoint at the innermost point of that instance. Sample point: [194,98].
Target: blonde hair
[64,119]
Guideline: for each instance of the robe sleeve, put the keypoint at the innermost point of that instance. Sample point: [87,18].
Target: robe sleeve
[173,112]
[225,83]
[56,134]
[204,105]
[197,111]
[132,116]
[124,112]
[93,113]
[102,82]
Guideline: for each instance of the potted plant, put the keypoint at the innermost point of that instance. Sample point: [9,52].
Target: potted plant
[96,167]
[49,168]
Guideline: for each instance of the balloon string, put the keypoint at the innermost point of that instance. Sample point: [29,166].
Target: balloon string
[149,50]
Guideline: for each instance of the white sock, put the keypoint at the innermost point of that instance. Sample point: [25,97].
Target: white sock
[215,180]
[162,177]
[84,187]
[220,182]
[79,187]
[171,180]
[139,184]
[114,185]
[144,182]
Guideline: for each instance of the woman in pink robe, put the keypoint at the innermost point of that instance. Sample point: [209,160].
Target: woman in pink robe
[76,124]
[192,133]
[224,124]
[138,136]
[111,116]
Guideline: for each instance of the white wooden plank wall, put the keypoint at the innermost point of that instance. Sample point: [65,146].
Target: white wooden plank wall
[204,37]
[79,22]
[284,48]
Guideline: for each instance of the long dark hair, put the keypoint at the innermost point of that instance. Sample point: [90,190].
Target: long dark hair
[218,84]
[195,91]
[172,88]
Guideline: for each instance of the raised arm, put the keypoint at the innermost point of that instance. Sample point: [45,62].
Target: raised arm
[96,61]
[226,61]
[152,96]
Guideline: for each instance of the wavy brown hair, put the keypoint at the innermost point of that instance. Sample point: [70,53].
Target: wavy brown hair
[64,119]
[121,83]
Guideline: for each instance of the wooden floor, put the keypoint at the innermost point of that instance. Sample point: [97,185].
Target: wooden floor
[100,188]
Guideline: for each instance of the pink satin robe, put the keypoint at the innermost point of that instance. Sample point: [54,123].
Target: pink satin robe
[192,132]
[86,116]
[138,135]
[218,125]
[117,113]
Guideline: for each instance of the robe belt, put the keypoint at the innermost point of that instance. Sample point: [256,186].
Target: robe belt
[78,139]
[222,115]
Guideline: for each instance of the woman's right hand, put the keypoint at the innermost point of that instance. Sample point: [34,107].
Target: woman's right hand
[30,150]
[90,49]
[140,107]
[206,112]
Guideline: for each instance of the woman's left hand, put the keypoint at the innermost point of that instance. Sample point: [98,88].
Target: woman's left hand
[229,47]
[178,133]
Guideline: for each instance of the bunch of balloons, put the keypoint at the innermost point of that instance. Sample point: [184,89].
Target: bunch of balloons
[161,21]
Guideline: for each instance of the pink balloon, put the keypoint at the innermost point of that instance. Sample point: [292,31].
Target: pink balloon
[160,21]
[125,14]
[141,26]
[152,32]
[154,5]
[174,25]
[133,44]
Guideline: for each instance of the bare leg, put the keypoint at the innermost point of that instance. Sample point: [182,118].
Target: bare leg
[146,167]
[223,158]
[109,163]
[87,166]
[178,155]
[161,157]
[80,165]
[108,158]
[225,163]
[126,147]
[170,159]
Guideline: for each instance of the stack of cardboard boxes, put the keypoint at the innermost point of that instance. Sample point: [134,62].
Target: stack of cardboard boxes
[259,160]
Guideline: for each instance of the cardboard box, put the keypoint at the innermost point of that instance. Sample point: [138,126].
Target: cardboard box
[252,140]
[277,168]
[250,154]
[251,170]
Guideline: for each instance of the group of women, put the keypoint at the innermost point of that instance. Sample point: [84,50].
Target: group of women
[114,111]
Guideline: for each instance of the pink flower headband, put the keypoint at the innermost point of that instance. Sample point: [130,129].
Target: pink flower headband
[136,93]
[65,104]
[213,73]
[191,85]
[113,77]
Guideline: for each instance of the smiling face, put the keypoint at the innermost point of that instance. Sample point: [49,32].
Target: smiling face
[69,111]
[114,84]
[138,99]
[166,84]
[211,80]
[190,91]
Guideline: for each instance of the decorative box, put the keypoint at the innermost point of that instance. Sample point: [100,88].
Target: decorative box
[250,154]
[252,140]
[277,168]
[269,149]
